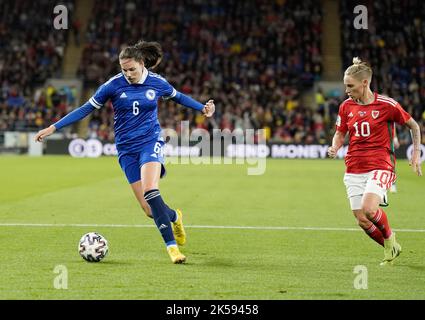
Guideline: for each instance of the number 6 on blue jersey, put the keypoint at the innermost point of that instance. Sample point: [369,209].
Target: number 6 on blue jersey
[136,108]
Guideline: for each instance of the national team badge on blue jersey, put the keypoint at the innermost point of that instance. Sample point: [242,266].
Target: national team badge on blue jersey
[150,94]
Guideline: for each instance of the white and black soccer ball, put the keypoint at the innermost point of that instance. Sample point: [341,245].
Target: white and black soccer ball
[93,247]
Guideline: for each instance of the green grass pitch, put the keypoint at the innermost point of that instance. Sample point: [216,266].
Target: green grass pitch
[305,244]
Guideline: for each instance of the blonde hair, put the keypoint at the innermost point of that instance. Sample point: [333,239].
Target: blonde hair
[359,70]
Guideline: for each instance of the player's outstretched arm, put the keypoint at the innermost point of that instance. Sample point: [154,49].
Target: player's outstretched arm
[337,142]
[207,109]
[44,133]
[415,161]
[70,118]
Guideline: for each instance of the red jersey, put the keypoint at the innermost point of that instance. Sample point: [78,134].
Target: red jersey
[371,131]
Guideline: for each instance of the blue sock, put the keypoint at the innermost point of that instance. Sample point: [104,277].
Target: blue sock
[160,212]
[171,213]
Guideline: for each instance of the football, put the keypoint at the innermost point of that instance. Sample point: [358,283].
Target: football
[93,247]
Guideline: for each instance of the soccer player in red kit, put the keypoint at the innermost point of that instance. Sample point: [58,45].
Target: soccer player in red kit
[368,119]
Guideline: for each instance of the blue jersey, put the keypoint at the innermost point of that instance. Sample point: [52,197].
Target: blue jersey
[135,107]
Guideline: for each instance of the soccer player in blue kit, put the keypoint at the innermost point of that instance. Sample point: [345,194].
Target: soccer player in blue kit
[134,94]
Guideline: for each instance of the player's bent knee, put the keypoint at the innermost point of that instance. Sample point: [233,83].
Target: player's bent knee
[145,206]
[362,220]
[148,188]
[148,214]
[363,223]
[369,211]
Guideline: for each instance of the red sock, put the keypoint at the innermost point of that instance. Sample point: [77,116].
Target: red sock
[381,221]
[375,234]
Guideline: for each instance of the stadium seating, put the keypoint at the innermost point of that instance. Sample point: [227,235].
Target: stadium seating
[246,55]
[395,49]
[31,51]
[255,58]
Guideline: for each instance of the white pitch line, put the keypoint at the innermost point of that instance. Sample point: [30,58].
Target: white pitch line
[191,226]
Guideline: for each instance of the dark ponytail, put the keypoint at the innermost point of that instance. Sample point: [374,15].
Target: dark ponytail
[150,53]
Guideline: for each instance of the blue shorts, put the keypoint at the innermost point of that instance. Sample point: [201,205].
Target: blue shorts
[131,162]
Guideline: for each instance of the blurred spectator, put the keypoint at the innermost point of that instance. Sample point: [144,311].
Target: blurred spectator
[246,55]
[394,45]
[254,58]
[76,28]
[34,113]
[31,51]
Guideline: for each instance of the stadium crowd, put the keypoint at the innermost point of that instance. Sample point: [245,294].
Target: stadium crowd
[244,54]
[31,52]
[254,58]
[395,47]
